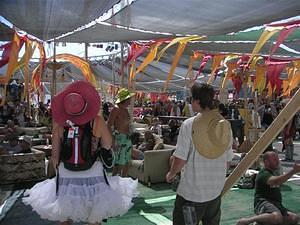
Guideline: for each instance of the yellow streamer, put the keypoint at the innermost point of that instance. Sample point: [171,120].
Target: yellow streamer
[260,78]
[178,54]
[189,75]
[132,73]
[176,40]
[231,66]
[149,58]
[266,35]
[215,65]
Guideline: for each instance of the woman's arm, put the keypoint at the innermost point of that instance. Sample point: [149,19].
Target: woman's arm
[57,134]
[101,131]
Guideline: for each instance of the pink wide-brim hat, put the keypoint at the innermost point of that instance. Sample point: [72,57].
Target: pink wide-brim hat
[79,102]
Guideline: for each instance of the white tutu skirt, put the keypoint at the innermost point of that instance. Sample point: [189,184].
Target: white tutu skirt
[82,196]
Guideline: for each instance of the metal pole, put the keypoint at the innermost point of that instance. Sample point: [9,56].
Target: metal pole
[86,51]
[113,75]
[53,91]
[122,64]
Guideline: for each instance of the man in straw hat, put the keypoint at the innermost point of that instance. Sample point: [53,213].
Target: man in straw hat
[84,195]
[119,122]
[202,152]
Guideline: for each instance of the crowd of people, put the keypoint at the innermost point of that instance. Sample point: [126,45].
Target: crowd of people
[80,125]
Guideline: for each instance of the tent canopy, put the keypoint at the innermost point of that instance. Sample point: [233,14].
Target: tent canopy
[49,19]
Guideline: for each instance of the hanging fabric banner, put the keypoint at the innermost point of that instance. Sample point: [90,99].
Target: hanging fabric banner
[13,58]
[230,63]
[266,35]
[217,60]
[135,51]
[293,79]
[132,73]
[177,56]
[202,65]
[180,50]
[5,53]
[80,63]
[178,40]
[149,58]
[260,78]
[190,75]
[273,72]
[283,35]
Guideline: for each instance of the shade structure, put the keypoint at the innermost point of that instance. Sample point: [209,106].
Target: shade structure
[203,17]
[49,19]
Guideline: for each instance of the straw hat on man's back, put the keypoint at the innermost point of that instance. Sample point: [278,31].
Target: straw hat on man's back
[211,134]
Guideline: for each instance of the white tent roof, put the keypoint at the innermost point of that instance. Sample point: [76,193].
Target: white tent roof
[48,19]
[203,17]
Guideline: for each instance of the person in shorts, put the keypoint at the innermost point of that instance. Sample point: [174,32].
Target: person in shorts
[268,200]
[119,123]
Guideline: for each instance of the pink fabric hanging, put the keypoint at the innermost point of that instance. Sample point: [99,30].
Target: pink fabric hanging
[5,53]
[273,73]
[202,65]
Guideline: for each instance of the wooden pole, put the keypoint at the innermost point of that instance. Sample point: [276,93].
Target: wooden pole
[274,129]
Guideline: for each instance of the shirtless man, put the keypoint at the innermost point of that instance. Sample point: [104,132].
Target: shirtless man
[118,122]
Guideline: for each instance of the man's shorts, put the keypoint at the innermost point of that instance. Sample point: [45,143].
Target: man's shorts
[123,148]
[264,206]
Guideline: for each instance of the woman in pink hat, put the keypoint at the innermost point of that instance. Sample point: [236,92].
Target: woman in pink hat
[80,192]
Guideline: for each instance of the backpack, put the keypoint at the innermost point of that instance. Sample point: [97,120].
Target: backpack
[76,152]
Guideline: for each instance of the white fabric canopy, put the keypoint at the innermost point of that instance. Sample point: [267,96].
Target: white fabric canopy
[48,19]
[203,17]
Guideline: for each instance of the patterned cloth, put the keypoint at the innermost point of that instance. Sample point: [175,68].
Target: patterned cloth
[123,149]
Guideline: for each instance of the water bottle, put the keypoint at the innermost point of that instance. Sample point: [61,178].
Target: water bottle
[189,215]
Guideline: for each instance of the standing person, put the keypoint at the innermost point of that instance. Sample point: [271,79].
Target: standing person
[80,192]
[188,109]
[202,151]
[119,123]
[105,111]
[268,200]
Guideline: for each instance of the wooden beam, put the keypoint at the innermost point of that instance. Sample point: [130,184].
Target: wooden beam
[258,148]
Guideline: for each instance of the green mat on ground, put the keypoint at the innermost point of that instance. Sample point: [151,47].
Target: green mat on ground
[155,205]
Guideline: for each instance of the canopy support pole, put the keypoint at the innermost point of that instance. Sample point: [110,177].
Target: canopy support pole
[53,91]
[86,51]
[122,64]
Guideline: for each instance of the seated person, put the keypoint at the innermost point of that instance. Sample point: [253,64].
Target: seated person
[12,145]
[147,144]
[10,128]
[25,144]
[268,205]
[174,131]
[155,124]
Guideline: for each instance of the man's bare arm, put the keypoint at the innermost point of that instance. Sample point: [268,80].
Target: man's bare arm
[176,167]
[278,180]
